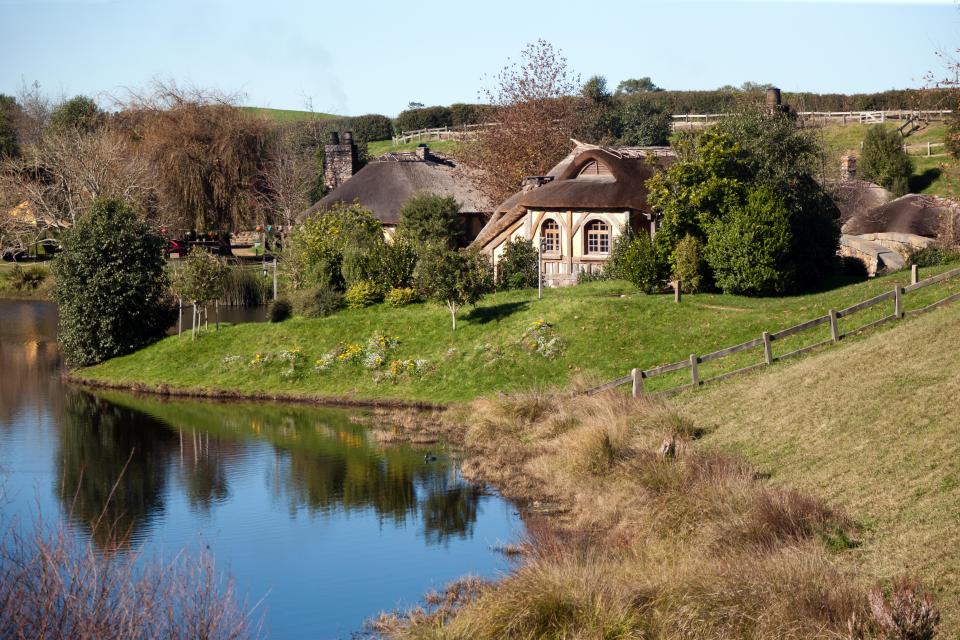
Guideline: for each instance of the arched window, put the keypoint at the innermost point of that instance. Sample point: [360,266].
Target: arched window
[598,237]
[550,236]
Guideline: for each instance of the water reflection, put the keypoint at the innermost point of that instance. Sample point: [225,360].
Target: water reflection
[116,452]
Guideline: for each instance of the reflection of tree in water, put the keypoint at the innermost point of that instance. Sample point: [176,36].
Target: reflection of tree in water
[29,376]
[97,441]
[450,512]
[202,468]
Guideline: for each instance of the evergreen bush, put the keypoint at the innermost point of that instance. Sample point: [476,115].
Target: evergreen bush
[363,294]
[884,161]
[317,302]
[401,296]
[279,310]
[517,268]
[111,286]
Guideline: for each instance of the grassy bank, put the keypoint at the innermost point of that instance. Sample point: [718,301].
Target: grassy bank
[380,147]
[10,290]
[639,530]
[288,115]
[872,427]
[602,331]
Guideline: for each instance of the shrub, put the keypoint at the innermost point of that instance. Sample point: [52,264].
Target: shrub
[453,278]
[279,310]
[111,286]
[371,127]
[749,251]
[423,118]
[398,297]
[393,264]
[27,279]
[428,218]
[688,264]
[317,302]
[363,294]
[634,260]
[643,123]
[517,268]
[932,256]
[884,161]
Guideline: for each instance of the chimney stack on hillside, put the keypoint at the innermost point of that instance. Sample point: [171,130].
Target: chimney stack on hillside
[340,160]
[848,167]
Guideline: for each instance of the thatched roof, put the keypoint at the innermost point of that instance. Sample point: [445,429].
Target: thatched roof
[854,198]
[916,214]
[622,188]
[384,186]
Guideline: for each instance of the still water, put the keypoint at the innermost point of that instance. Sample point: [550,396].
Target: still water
[299,504]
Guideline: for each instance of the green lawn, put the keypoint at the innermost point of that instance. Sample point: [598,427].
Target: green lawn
[288,115]
[607,328]
[380,147]
[873,426]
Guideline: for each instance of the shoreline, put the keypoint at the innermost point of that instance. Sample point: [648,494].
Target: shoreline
[225,394]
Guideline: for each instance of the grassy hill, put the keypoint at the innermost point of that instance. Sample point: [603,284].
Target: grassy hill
[288,115]
[874,427]
[380,147]
[934,175]
[604,328]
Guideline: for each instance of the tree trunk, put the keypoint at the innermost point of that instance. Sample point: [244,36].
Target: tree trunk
[453,314]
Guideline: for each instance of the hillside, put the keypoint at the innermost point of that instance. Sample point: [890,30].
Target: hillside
[873,426]
[289,115]
[936,175]
[603,330]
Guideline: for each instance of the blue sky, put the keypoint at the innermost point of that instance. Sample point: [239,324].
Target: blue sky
[363,56]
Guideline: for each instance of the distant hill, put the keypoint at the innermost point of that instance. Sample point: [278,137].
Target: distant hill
[289,115]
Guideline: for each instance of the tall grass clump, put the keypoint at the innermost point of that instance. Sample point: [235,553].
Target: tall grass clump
[245,287]
[637,530]
[54,587]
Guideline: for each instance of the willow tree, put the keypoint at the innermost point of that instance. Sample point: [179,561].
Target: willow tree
[533,103]
[208,156]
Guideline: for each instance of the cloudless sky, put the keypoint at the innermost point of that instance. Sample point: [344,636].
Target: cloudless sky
[360,56]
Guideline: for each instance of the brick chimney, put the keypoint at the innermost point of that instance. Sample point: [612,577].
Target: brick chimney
[340,160]
[848,167]
[423,152]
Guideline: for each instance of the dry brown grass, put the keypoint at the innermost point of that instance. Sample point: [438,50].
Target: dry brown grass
[54,587]
[643,540]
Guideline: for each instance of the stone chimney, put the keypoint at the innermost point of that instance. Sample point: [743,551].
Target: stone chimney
[532,182]
[773,98]
[340,160]
[423,152]
[848,167]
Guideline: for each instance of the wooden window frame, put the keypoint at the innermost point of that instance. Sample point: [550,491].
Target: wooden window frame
[593,232]
[556,237]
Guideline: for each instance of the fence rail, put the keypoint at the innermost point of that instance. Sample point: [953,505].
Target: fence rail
[636,377]
[462,132]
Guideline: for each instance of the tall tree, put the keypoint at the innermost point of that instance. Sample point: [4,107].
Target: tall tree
[636,85]
[9,112]
[535,110]
[207,154]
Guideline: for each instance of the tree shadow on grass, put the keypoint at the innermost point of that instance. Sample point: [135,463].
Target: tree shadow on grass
[496,313]
[921,181]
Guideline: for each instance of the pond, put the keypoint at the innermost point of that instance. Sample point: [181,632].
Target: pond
[300,505]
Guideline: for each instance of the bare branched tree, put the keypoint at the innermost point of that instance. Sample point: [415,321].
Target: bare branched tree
[534,105]
[289,171]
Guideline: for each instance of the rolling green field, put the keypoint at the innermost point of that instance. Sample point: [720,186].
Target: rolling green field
[873,427]
[288,115]
[604,330]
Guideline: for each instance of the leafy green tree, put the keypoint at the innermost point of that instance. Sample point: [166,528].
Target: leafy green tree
[749,251]
[642,123]
[517,268]
[453,278]
[317,249]
[111,285]
[428,218]
[636,85]
[688,264]
[884,161]
[79,113]
[201,278]
[634,259]
[597,115]
[9,144]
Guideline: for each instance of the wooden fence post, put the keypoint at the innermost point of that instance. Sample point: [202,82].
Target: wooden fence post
[694,374]
[914,274]
[767,348]
[898,302]
[637,376]
[834,326]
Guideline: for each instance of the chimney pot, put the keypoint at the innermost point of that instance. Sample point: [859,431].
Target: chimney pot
[423,152]
[348,137]
[334,137]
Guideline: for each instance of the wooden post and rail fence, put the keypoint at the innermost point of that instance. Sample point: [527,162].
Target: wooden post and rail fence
[766,340]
